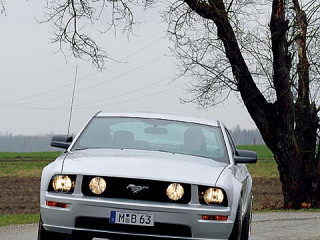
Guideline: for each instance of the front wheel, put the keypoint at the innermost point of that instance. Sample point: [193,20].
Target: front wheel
[44,234]
[236,230]
[246,224]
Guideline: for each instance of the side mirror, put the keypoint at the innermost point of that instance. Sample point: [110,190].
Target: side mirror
[61,141]
[244,156]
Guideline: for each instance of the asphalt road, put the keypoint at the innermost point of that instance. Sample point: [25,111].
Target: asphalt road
[266,226]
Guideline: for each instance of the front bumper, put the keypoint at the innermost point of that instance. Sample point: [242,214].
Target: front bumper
[172,221]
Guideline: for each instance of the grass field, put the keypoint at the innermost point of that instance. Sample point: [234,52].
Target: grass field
[34,156]
[25,164]
[22,169]
[263,151]
[266,167]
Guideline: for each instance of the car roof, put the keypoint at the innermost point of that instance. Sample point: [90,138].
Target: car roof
[163,116]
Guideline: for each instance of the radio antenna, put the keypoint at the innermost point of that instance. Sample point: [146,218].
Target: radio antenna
[73,92]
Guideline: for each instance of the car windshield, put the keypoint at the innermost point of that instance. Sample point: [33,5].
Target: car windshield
[153,135]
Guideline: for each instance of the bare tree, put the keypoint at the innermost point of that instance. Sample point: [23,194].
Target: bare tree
[264,50]
[72,21]
[274,67]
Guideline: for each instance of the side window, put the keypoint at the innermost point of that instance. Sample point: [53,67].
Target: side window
[214,144]
[232,145]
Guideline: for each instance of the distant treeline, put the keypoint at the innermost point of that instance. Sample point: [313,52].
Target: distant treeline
[41,143]
[25,143]
[246,137]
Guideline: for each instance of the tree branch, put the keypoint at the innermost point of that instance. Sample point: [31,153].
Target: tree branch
[2,8]
[255,102]
[301,24]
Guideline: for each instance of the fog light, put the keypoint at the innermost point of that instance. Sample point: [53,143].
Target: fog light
[57,204]
[97,185]
[175,191]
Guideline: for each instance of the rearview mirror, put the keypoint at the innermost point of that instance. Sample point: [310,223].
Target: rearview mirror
[61,141]
[156,130]
[244,156]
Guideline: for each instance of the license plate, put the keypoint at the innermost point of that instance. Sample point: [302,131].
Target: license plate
[132,218]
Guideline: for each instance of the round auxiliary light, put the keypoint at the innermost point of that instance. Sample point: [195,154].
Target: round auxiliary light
[62,183]
[175,191]
[97,185]
[213,195]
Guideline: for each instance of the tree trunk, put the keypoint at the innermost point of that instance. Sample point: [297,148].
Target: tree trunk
[292,178]
[316,185]
[306,135]
[298,168]
[307,121]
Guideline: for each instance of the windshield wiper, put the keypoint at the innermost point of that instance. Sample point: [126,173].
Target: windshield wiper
[80,149]
[165,151]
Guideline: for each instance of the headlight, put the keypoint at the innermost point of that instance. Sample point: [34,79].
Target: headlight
[97,185]
[213,195]
[175,191]
[62,183]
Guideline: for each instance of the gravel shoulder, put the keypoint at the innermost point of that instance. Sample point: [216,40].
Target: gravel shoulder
[265,226]
[285,226]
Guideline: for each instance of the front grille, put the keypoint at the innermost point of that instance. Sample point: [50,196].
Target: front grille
[123,188]
[162,229]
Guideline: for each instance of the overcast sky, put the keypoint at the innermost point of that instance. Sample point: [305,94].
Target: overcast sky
[37,83]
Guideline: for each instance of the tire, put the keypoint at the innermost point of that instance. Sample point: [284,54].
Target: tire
[246,224]
[236,230]
[46,235]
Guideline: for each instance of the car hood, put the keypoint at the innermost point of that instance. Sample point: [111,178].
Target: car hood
[144,165]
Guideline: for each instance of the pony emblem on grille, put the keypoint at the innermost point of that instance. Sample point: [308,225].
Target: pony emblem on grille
[136,189]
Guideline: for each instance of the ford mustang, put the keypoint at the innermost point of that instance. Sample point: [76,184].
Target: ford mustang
[147,176]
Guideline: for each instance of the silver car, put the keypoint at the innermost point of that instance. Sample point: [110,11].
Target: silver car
[147,176]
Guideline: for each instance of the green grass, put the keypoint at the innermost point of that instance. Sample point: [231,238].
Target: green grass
[262,150]
[18,219]
[9,156]
[25,164]
[22,169]
[266,166]
[264,169]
